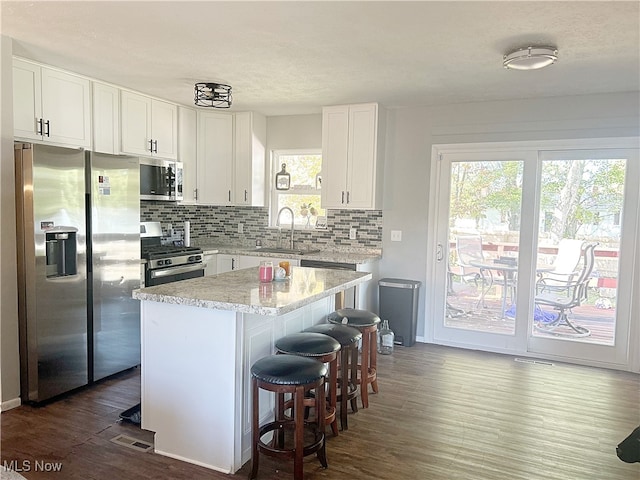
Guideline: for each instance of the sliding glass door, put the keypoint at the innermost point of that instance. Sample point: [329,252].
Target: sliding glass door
[586,198]
[534,251]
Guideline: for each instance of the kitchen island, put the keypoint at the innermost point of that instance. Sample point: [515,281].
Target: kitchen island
[199,340]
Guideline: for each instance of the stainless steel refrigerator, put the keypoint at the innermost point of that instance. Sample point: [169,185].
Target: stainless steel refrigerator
[78,217]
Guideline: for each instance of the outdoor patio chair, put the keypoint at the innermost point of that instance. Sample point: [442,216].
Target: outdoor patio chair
[562,297]
[565,265]
[469,249]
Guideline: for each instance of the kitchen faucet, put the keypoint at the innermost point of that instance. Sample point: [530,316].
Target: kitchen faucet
[280,228]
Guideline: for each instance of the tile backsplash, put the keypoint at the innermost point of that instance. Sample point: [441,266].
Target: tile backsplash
[210,224]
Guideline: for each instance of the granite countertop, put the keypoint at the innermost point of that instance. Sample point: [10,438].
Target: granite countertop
[241,290]
[348,255]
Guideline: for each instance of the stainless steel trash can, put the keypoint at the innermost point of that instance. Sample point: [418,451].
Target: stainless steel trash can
[399,305]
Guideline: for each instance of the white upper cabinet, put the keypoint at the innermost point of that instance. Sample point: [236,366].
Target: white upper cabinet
[250,134]
[215,158]
[352,150]
[231,158]
[149,126]
[187,152]
[50,105]
[106,118]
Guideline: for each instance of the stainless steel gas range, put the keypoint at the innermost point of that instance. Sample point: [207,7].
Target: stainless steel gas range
[167,263]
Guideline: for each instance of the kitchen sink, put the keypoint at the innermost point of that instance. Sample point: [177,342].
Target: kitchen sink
[287,251]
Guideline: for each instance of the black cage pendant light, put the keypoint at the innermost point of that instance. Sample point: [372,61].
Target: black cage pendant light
[216,95]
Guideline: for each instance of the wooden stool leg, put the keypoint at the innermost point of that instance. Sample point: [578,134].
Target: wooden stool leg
[278,437]
[299,433]
[255,428]
[333,394]
[354,376]
[364,369]
[320,406]
[373,366]
[344,387]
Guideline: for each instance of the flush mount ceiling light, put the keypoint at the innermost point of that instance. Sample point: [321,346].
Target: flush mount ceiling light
[216,95]
[530,58]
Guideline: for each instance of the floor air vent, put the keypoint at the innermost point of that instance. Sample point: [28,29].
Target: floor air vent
[131,442]
[536,362]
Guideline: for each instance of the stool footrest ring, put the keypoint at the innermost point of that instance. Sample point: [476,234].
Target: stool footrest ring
[272,451]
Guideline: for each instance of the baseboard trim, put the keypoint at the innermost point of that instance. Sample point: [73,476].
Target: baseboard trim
[9,404]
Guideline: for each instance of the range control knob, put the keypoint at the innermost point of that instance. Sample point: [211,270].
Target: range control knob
[168,261]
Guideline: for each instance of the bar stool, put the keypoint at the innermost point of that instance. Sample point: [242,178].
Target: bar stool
[288,374]
[367,322]
[322,348]
[348,337]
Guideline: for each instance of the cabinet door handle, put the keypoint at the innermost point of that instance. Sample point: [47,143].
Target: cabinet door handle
[195,194]
[245,195]
[151,146]
[233,264]
[47,124]
[347,197]
[155,149]
[229,195]
[342,201]
[39,126]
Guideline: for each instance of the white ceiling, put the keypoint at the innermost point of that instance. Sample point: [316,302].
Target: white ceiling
[293,57]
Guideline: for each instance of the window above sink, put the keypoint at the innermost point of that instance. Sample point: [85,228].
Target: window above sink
[303,196]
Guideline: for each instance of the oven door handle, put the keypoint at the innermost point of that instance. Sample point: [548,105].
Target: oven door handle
[174,270]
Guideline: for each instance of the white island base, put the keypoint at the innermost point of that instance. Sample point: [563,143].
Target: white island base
[196,375]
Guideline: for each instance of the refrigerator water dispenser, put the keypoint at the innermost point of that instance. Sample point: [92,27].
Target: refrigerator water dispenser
[61,252]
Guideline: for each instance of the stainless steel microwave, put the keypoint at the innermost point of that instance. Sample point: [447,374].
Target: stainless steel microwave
[160,179]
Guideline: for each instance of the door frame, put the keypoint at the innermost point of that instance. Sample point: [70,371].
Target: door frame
[436,282]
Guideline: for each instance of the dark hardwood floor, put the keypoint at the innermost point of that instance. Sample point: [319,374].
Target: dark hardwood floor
[442,413]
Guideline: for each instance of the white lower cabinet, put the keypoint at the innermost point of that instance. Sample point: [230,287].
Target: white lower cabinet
[247,261]
[226,262]
[210,264]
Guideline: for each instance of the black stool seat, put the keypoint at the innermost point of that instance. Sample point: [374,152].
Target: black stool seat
[307,345]
[353,317]
[288,370]
[344,334]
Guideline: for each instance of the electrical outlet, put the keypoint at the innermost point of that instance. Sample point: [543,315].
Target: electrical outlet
[396,235]
[352,233]
[241,228]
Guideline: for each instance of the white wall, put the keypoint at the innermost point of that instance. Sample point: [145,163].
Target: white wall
[294,131]
[9,360]
[412,131]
